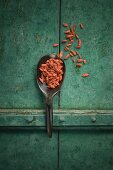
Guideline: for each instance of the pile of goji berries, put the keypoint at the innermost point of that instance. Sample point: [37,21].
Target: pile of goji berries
[51,72]
[70,37]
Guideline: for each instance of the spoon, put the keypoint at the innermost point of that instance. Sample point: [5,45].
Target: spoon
[48,92]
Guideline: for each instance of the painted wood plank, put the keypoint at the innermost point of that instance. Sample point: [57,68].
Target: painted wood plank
[61,119]
[96,91]
[27,31]
[86,150]
[27,150]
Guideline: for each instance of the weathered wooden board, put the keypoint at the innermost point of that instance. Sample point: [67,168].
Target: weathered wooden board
[86,150]
[96,91]
[61,118]
[27,150]
[27,31]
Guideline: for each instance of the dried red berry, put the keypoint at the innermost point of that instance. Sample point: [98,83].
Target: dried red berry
[64,41]
[84,61]
[65,24]
[85,75]
[55,45]
[80,60]
[78,65]
[67,32]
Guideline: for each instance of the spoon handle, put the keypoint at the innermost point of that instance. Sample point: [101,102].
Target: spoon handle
[49,117]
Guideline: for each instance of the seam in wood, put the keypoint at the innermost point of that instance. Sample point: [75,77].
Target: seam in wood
[60,111]
[59,43]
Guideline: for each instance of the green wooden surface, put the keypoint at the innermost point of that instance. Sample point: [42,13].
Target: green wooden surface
[26,150]
[86,150]
[27,31]
[96,91]
[61,119]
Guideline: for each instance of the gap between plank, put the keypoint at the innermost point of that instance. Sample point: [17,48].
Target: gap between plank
[59,44]
[58,151]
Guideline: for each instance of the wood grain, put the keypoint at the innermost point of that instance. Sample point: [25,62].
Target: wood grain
[27,150]
[86,150]
[95,91]
[28,30]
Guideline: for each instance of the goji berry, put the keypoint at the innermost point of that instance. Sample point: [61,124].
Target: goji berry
[65,24]
[55,45]
[78,65]
[67,56]
[85,75]
[64,41]
[84,61]
[67,32]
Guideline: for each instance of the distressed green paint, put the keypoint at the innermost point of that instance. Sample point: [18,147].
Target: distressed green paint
[86,150]
[61,119]
[96,91]
[27,150]
[27,31]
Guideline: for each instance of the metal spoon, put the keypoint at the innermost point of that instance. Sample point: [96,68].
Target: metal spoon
[49,93]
